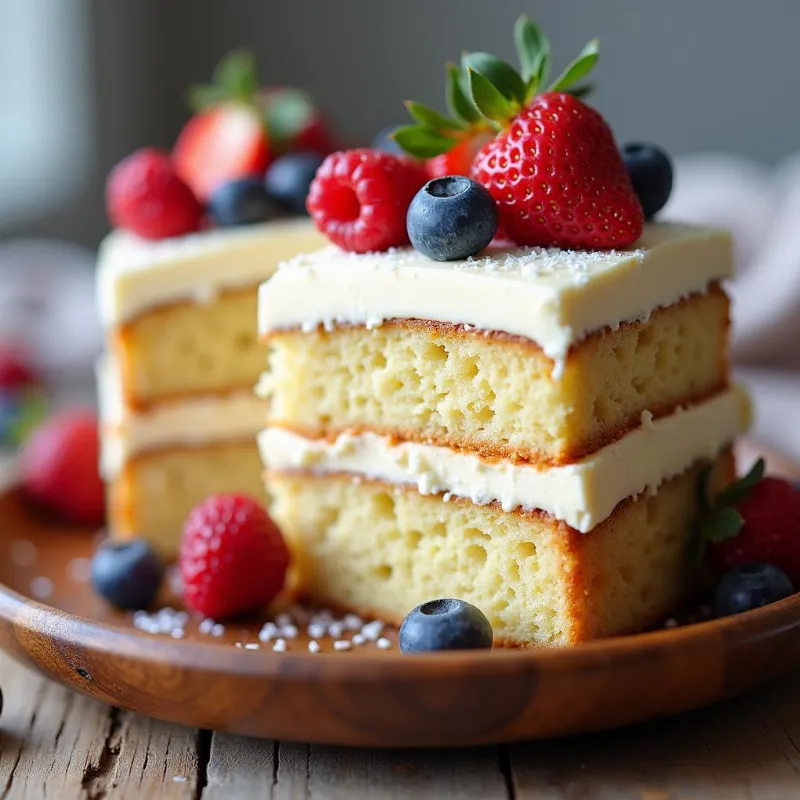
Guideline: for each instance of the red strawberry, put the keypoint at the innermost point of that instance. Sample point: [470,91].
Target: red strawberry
[15,369]
[233,558]
[59,467]
[145,195]
[359,198]
[553,168]
[219,145]
[458,161]
[766,531]
[559,180]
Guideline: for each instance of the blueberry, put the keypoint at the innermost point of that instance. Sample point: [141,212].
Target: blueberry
[383,141]
[750,586]
[445,625]
[650,171]
[127,574]
[288,179]
[451,218]
[241,202]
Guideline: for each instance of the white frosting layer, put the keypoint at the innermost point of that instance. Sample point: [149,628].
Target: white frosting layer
[582,494]
[137,274]
[189,422]
[553,297]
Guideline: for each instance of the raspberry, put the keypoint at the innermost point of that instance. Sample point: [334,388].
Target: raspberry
[59,467]
[145,195]
[359,199]
[233,558]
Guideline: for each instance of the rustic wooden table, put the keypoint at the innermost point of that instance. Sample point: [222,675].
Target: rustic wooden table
[59,744]
[55,743]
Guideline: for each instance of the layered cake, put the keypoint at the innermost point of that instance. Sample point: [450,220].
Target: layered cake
[195,232]
[178,412]
[522,430]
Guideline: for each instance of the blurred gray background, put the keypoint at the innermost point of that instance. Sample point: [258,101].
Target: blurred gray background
[84,82]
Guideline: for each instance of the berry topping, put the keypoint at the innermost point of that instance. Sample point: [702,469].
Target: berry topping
[16,371]
[650,171]
[59,467]
[752,520]
[359,199]
[452,218]
[289,178]
[241,202]
[145,195]
[553,167]
[127,574]
[750,586]
[232,558]
[220,145]
[444,625]
[460,159]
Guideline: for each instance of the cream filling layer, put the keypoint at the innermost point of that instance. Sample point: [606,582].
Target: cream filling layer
[136,274]
[581,494]
[125,433]
[552,297]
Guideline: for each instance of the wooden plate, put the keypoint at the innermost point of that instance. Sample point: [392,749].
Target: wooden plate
[365,696]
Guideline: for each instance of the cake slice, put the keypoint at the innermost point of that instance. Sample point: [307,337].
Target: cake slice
[523,430]
[178,412]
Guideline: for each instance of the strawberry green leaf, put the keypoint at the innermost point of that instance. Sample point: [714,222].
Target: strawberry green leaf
[430,118]
[533,48]
[738,490]
[579,68]
[237,74]
[422,142]
[490,101]
[204,95]
[459,103]
[286,113]
[584,90]
[721,524]
[502,76]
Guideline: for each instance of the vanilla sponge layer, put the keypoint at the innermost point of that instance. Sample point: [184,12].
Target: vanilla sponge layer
[152,495]
[493,393]
[582,494]
[378,548]
[187,349]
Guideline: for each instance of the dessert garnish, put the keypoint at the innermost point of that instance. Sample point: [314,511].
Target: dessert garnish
[59,467]
[288,180]
[446,624]
[553,166]
[650,171]
[359,198]
[241,202]
[239,127]
[144,194]
[220,159]
[127,574]
[750,586]
[23,401]
[233,558]
[451,218]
